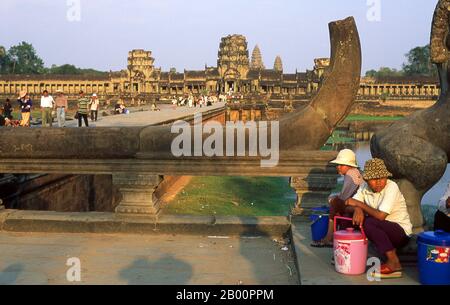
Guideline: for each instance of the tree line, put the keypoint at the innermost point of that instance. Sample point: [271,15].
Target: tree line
[418,63]
[23,59]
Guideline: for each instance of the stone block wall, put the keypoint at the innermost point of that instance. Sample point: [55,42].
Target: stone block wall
[69,193]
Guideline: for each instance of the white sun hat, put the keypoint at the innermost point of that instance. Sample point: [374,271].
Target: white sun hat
[345,157]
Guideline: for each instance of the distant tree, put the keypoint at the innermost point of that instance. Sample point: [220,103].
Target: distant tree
[3,60]
[64,69]
[384,72]
[22,59]
[419,62]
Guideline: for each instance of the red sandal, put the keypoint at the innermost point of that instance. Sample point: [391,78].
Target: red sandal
[387,273]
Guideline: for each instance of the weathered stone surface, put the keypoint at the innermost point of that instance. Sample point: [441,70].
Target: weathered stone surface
[310,127]
[137,194]
[95,222]
[417,149]
[313,189]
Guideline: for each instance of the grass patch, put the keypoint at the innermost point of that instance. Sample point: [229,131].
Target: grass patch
[237,196]
[362,117]
[339,136]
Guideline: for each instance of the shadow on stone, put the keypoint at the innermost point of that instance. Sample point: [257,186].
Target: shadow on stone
[283,270]
[9,275]
[165,271]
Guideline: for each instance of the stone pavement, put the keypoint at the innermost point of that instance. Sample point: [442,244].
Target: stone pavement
[315,267]
[40,258]
[143,118]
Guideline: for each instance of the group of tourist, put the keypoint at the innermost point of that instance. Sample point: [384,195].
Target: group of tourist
[376,203]
[191,101]
[50,108]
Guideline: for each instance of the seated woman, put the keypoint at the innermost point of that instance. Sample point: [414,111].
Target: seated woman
[442,216]
[381,208]
[346,166]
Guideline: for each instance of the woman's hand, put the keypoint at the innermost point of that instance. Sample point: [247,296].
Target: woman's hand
[358,217]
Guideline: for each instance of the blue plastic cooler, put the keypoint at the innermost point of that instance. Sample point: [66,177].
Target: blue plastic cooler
[433,256]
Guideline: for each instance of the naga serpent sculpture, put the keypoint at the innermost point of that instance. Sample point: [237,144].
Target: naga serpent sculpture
[417,149]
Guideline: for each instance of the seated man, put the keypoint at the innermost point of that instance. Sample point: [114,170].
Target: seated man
[442,216]
[117,108]
[123,110]
[12,123]
[381,208]
[346,166]
[5,121]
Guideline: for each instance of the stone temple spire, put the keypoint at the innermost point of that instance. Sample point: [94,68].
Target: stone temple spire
[257,62]
[278,65]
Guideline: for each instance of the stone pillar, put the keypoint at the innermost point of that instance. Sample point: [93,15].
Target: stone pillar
[313,190]
[137,194]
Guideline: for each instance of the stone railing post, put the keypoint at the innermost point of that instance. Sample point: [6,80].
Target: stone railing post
[137,194]
[312,190]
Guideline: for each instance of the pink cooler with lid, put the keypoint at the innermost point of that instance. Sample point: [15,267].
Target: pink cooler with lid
[350,250]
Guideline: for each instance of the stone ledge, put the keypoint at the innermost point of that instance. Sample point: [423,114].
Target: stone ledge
[95,222]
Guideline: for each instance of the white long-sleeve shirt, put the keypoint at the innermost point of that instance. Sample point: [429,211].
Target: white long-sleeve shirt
[443,201]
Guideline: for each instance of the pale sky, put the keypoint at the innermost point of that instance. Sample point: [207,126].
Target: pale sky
[185,34]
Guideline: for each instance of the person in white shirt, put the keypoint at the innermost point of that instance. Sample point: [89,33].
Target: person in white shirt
[381,209]
[442,216]
[47,106]
[94,107]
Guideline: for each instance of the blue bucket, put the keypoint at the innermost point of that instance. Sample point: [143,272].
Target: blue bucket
[433,254]
[319,227]
[321,210]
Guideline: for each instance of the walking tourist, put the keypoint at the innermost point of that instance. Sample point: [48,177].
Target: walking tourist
[25,104]
[47,106]
[380,208]
[346,166]
[94,107]
[83,109]
[442,216]
[62,106]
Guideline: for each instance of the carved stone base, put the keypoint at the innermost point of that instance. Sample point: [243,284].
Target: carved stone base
[312,190]
[137,192]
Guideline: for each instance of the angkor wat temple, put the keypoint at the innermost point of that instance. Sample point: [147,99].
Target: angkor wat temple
[235,72]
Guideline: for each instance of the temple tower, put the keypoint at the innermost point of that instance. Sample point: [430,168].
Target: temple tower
[233,61]
[140,68]
[278,64]
[257,62]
